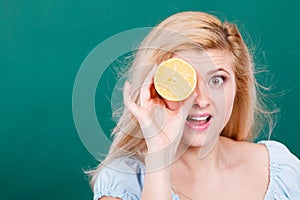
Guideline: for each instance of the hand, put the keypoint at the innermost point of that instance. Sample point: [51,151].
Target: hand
[162,128]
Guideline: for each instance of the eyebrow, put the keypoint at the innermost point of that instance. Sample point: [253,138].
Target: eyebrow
[217,70]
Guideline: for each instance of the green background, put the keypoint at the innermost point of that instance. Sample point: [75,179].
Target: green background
[42,45]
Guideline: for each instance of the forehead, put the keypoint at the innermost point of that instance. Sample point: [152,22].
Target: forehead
[206,61]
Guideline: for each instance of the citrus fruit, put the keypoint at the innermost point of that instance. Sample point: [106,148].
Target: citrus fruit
[175,79]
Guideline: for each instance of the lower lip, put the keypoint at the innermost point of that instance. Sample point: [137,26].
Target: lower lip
[197,127]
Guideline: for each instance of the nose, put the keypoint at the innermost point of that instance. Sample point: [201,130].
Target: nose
[203,96]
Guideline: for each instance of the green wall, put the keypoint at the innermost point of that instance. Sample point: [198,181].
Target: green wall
[42,46]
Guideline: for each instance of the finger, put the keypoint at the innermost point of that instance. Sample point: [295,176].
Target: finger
[133,107]
[173,105]
[159,101]
[145,91]
[153,92]
[127,100]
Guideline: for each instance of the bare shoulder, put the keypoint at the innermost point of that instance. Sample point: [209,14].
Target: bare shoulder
[256,152]
[256,157]
[247,149]
[109,198]
[253,162]
[252,154]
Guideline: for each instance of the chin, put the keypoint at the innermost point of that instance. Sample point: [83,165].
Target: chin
[199,139]
[195,140]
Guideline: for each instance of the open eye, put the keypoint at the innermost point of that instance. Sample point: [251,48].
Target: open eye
[217,80]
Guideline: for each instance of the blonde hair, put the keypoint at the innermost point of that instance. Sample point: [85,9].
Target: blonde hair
[188,31]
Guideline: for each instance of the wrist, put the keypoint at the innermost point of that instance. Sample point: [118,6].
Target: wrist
[158,161]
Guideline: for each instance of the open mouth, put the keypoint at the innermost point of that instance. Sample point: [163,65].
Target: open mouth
[199,119]
[199,122]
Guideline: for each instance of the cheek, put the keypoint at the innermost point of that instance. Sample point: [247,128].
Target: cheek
[224,101]
[229,101]
[172,105]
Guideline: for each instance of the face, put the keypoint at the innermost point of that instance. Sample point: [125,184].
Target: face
[215,94]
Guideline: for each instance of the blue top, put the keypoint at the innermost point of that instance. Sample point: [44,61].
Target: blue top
[124,178]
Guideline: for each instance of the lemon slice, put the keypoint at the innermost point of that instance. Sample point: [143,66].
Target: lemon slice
[175,79]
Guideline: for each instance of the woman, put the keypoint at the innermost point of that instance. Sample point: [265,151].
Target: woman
[198,148]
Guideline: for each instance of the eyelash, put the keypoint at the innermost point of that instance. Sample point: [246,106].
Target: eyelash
[223,78]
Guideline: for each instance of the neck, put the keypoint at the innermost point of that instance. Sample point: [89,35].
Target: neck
[206,158]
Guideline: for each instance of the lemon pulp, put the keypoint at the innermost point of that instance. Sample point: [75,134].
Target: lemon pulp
[175,79]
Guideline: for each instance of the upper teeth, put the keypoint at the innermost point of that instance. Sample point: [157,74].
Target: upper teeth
[199,118]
